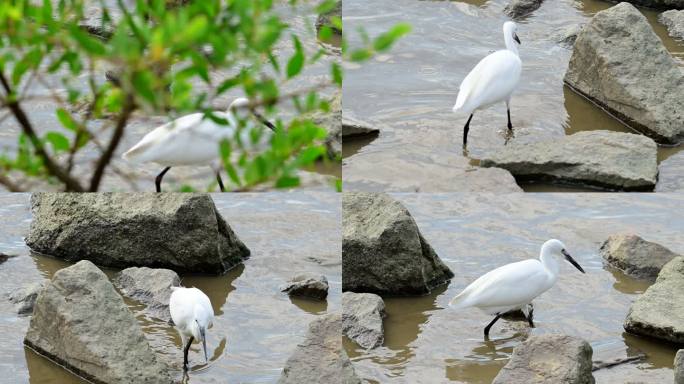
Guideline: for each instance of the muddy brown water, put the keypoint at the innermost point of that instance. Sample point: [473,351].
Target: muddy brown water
[426,342]
[124,176]
[256,327]
[411,89]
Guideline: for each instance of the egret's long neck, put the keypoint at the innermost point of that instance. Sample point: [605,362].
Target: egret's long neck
[549,262]
[510,43]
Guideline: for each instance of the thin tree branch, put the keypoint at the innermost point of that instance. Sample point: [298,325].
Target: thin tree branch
[52,167]
[106,157]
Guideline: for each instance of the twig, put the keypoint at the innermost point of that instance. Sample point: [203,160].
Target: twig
[106,157]
[52,167]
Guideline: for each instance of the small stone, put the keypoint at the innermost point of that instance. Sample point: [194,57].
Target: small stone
[149,286]
[362,315]
[25,298]
[308,285]
[518,9]
[636,256]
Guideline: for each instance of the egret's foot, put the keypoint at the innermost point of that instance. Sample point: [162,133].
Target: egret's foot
[530,316]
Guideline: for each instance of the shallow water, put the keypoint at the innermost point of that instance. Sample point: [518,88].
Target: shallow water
[256,326]
[411,89]
[426,342]
[124,176]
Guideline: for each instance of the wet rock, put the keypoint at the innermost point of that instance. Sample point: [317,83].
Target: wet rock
[81,322]
[605,159]
[679,367]
[659,311]
[567,37]
[25,298]
[308,285]
[326,18]
[671,174]
[362,315]
[320,358]
[383,251]
[353,127]
[636,256]
[332,122]
[548,359]
[622,65]
[4,257]
[518,9]
[659,4]
[183,232]
[674,21]
[149,286]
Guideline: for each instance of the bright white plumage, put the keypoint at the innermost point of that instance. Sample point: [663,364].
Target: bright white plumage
[192,315]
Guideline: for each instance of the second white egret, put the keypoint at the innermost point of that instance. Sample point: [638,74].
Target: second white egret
[492,80]
[514,286]
[192,315]
[192,140]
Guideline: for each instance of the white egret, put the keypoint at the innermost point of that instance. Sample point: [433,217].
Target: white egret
[514,286]
[192,314]
[492,80]
[191,140]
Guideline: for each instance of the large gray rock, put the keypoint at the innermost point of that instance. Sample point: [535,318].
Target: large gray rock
[622,65]
[518,9]
[24,298]
[674,21]
[320,358]
[604,159]
[636,256]
[150,286]
[659,311]
[659,4]
[362,315]
[548,359]
[183,232]
[679,367]
[383,251]
[671,174]
[81,322]
[308,285]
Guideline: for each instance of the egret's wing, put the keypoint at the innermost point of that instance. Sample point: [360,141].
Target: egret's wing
[492,79]
[510,284]
[180,306]
[161,136]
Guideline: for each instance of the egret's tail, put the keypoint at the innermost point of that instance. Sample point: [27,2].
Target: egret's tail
[459,301]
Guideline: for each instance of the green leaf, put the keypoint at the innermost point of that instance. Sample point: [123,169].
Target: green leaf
[142,82]
[85,41]
[59,142]
[336,73]
[385,40]
[66,120]
[287,181]
[296,62]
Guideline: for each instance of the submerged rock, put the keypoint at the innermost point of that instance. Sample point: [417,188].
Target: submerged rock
[25,298]
[81,322]
[353,127]
[320,358]
[325,18]
[605,159]
[362,315]
[622,65]
[518,9]
[636,256]
[659,311]
[308,285]
[383,251]
[567,37]
[548,359]
[671,174]
[149,286]
[183,232]
[674,21]
[679,367]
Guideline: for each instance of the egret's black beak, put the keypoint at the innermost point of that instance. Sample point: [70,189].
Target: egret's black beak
[515,37]
[572,261]
[204,345]
[263,120]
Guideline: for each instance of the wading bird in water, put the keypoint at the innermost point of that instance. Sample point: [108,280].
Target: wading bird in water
[193,140]
[192,314]
[514,286]
[492,80]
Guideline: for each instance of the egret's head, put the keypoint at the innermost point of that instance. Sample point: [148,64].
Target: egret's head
[557,248]
[510,29]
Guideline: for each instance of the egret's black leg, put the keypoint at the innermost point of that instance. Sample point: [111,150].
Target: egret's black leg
[465,131]
[158,179]
[486,330]
[529,316]
[185,353]
[510,126]
[220,182]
